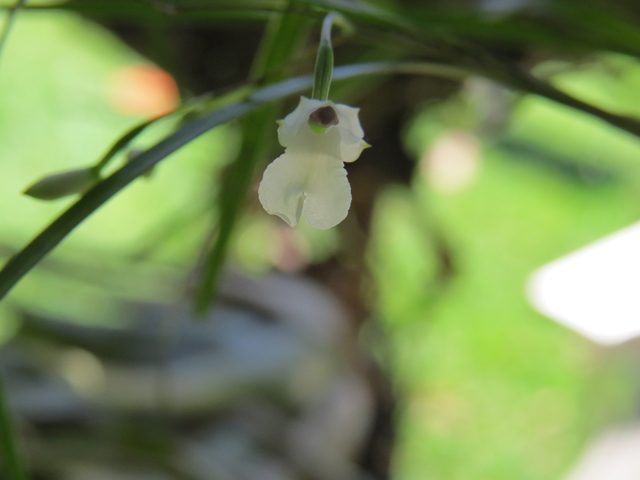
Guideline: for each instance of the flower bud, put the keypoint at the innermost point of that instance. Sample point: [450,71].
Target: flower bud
[324,63]
[63,184]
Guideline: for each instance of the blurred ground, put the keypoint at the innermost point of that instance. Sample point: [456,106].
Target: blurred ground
[491,389]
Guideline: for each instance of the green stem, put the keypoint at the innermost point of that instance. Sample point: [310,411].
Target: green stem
[121,144]
[11,16]
[279,46]
[324,62]
[27,258]
[11,458]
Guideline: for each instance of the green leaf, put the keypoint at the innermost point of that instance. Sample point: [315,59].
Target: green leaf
[280,44]
[8,23]
[50,237]
[122,142]
[12,457]
[26,259]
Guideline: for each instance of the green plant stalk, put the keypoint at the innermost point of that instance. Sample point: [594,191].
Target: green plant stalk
[9,21]
[21,263]
[121,143]
[278,47]
[324,62]
[232,197]
[425,38]
[124,141]
[614,34]
[18,265]
[27,258]
[12,459]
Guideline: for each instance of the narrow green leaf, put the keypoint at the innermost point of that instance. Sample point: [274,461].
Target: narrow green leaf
[8,23]
[280,44]
[122,143]
[21,263]
[12,458]
[26,259]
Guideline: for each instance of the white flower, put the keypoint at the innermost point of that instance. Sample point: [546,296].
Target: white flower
[309,178]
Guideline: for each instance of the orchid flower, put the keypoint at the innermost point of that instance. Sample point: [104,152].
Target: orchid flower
[309,178]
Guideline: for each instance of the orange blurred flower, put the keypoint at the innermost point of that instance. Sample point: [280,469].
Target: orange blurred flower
[144,90]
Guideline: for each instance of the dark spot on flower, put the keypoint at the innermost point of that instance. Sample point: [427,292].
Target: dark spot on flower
[324,117]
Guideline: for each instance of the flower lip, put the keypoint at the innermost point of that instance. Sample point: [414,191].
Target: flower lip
[324,117]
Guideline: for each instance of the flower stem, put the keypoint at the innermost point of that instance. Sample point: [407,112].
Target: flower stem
[4,35]
[11,458]
[22,262]
[324,62]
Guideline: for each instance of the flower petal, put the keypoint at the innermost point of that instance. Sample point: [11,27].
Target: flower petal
[348,117]
[351,146]
[307,142]
[328,193]
[309,179]
[281,190]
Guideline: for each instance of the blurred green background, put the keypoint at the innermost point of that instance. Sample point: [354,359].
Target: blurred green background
[489,388]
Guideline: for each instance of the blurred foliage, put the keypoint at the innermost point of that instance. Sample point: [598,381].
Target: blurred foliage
[493,382]
[490,389]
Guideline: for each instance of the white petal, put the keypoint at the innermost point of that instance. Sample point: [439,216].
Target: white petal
[328,193]
[348,119]
[351,146]
[288,128]
[281,190]
[308,142]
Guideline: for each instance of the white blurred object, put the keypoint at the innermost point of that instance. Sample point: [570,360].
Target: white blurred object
[614,456]
[452,163]
[595,290]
